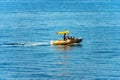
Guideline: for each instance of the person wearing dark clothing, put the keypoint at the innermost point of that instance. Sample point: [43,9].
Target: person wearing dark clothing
[64,37]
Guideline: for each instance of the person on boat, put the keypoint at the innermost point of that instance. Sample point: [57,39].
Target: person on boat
[71,37]
[64,37]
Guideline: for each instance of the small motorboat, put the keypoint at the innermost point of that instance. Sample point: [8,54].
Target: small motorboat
[66,40]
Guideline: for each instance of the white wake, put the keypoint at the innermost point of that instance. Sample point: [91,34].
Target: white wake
[26,44]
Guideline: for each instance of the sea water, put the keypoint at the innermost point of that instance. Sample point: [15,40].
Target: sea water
[27,27]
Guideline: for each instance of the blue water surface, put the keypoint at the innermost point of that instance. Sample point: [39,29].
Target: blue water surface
[27,27]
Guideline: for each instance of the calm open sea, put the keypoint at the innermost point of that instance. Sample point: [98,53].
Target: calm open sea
[27,27]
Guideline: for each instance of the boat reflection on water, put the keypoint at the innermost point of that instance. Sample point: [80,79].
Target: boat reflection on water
[62,48]
[67,47]
[63,60]
[62,65]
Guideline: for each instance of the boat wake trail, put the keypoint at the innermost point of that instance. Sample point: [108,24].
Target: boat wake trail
[27,44]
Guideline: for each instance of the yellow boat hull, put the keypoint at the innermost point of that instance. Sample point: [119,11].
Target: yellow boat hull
[61,42]
[67,42]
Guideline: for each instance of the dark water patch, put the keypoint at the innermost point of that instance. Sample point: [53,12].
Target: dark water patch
[41,55]
[32,75]
[14,43]
[4,36]
[105,52]
[3,79]
[20,69]
[115,75]
[40,75]
[101,79]
[100,55]
[8,64]
[36,33]
[42,29]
